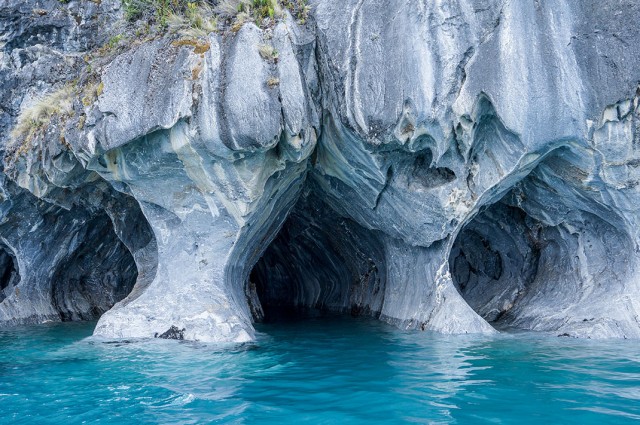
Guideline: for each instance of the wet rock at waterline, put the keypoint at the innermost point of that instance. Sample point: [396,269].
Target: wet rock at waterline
[456,168]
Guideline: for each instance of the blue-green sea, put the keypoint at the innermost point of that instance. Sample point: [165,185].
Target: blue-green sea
[324,371]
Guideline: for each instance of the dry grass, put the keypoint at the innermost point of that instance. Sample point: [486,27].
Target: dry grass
[60,102]
[37,117]
[230,8]
[256,10]
[267,52]
[197,20]
[273,82]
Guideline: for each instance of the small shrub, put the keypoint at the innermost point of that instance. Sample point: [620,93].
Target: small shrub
[114,41]
[257,10]
[183,14]
[230,8]
[198,18]
[134,9]
[298,8]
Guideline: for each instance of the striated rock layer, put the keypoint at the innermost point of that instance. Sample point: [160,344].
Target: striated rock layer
[455,166]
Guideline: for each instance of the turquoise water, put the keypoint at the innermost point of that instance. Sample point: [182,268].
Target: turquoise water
[334,371]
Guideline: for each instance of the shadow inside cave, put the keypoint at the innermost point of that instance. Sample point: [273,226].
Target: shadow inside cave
[318,264]
[9,274]
[549,253]
[95,276]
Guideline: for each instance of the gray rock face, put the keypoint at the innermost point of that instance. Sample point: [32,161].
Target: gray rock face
[59,264]
[453,166]
[42,43]
[215,186]
[69,252]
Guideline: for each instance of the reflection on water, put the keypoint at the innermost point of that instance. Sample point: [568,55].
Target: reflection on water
[324,371]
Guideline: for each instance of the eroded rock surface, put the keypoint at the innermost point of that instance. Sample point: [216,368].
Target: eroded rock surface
[451,166]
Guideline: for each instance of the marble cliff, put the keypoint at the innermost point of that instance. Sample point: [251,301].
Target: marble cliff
[458,166]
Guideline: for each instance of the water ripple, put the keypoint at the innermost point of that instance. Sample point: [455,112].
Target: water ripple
[321,372]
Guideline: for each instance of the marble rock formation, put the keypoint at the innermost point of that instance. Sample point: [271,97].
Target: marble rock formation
[456,166]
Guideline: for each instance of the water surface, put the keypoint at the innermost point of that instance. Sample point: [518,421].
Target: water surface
[325,371]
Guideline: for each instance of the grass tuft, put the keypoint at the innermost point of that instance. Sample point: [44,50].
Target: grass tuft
[60,102]
[37,117]
[268,53]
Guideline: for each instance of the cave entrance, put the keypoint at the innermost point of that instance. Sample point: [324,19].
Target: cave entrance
[549,253]
[95,276]
[318,264]
[9,275]
[495,258]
